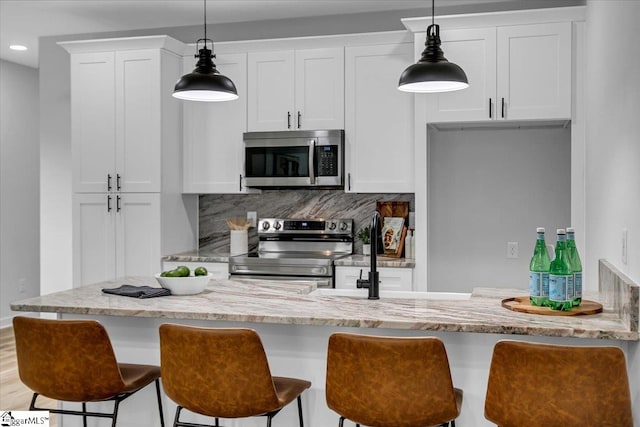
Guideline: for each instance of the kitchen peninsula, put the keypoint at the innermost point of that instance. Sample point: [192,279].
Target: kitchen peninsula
[295,323]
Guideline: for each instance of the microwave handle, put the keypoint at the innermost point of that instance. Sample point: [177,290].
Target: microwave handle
[312,161]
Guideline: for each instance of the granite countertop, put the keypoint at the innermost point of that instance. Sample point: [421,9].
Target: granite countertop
[198,255]
[349,261]
[291,303]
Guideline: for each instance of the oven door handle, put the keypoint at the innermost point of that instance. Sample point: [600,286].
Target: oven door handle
[281,270]
[312,161]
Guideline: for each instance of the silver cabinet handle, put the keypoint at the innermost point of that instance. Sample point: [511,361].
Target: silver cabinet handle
[503,108]
[108,182]
[118,181]
[490,108]
[118,203]
[108,203]
[299,120]
[240,182]
[288,119]
[349,180]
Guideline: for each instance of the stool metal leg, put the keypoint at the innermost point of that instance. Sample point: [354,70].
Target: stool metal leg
[84,416]
[341,422]
[159,402]
[115,413]
[300,411]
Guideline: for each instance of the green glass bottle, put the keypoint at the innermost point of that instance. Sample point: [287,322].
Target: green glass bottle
[576,264]
[561,276]
[539,272]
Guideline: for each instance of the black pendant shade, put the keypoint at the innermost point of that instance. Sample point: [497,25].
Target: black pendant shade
[433,73]
[205,83]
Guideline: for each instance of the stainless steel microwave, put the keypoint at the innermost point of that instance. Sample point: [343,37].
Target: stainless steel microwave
[304,158]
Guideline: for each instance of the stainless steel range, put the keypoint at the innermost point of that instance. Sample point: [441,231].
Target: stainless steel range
[296,249]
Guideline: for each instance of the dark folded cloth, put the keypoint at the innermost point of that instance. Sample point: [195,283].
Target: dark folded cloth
[138,291]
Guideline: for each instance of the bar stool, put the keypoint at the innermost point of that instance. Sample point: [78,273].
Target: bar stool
[222,373]
[533,384]
[73,361]
[390,382]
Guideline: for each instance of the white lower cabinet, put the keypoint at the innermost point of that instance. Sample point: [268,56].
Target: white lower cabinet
[391,279]
[219,270]
[117,235]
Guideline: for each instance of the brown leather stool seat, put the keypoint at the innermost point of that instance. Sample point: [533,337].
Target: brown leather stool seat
[73,361]
[391,382]
[222,373]
[533,384]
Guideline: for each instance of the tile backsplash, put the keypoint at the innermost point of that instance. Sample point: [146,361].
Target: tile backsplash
[216,208]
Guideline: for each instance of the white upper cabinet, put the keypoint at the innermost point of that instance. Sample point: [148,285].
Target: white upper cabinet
[519,72]
[534,71]
[116,121]
[379,140]
[319,89]
[213,147]
[93,121]
[302,89]
[474,50]
[138,120]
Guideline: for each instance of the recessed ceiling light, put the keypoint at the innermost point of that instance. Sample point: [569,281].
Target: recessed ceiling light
[17,47]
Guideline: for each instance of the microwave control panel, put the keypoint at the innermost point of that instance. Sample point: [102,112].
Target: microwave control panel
[327,156]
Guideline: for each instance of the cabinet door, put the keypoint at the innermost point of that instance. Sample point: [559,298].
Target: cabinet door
[93,238]
[271,91]
[138,127]
[475,51]
[213,147]
[534,71]
[319,88]
[378,120]
[391,279]
[92,121]
[137,218]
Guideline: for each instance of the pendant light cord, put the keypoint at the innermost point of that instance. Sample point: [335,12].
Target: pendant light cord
[433,12]
[205,21]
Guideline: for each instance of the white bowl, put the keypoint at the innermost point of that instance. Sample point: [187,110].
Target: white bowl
[189,285]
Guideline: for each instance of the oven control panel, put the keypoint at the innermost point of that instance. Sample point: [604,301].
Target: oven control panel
[306,226]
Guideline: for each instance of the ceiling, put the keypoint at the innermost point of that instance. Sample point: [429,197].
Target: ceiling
[24,21]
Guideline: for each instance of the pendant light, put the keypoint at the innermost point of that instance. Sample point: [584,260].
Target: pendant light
[205,83]
[433,73]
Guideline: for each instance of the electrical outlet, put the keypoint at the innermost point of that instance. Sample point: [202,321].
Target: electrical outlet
[624,245]
[22,286]
[512,249]
[253,217]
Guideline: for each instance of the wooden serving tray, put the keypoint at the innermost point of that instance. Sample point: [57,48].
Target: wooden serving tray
[523,305]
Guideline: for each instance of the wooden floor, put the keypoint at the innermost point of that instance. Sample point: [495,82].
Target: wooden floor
[13,394]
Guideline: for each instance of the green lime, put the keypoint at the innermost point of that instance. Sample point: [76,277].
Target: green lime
[173,273]
[183,271]
[200,271]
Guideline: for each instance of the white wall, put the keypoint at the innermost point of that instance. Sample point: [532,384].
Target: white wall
[613,145]
[19,186]
[488,187]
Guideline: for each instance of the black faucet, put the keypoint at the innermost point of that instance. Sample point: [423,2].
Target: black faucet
[373,283]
